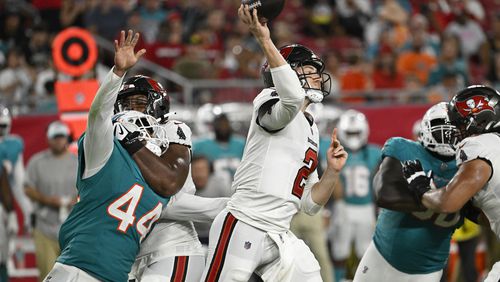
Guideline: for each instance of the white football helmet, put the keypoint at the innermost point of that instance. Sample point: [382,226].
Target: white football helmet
[437,134]
[353,130]
[5,121]
[150,130]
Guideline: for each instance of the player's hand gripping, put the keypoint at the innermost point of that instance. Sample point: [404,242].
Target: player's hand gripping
[418,181]
[257,28]
[336,156]
[128,138]
[125,57]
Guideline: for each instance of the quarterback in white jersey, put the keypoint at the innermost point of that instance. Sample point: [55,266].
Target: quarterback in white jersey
[172,250]
[475,111]
[277,175]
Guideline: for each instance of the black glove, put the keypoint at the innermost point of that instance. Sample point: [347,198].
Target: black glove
[418,181]
[130,140]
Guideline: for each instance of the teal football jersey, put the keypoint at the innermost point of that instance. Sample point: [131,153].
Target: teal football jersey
[357,175]
[12,146]
[115,212]
[418,242]
[223,156]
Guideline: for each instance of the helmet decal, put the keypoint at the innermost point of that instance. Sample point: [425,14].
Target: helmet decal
[285,52]
[474,105]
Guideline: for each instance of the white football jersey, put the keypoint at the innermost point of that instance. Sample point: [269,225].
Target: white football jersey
[169,237]
[485,147]
[275,170]
[178,132]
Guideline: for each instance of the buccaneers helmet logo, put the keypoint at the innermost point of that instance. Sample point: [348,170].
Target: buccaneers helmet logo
[474,105]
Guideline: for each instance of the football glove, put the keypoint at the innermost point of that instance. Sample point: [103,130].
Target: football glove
[418,181]
[128,139]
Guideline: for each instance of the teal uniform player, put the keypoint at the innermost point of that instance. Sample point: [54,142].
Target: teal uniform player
[411,244]
[116,208]
[225,156]
[225,150]
[417,242]
[358,173]
[6,208]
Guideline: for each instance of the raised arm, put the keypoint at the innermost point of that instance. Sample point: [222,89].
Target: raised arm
[275,114]
[98,141]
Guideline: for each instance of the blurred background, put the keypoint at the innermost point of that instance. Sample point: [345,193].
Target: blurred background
[388,59]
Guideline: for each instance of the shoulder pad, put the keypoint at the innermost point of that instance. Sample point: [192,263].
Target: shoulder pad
[265,95]
[482,146]
[400,148]
[178,132]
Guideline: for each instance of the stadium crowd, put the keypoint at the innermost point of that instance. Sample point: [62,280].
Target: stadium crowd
[430,49]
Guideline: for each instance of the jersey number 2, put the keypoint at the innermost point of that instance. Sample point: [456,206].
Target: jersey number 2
[126,216]
[311,161]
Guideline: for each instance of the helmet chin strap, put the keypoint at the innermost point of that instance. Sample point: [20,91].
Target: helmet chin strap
[314,95]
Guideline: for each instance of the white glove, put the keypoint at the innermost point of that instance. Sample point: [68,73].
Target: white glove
[12,226]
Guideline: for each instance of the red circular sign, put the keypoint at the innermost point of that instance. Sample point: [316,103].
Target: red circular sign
[74,51]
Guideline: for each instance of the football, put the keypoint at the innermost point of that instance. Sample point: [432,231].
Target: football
[267,10]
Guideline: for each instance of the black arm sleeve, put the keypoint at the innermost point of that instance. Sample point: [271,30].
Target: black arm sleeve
[391,190]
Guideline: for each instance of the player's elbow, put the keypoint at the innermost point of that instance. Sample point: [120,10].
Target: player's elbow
[166,189]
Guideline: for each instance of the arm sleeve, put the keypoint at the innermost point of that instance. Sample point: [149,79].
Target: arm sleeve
[187,207]
[98,141]
[275,115]
[308,205]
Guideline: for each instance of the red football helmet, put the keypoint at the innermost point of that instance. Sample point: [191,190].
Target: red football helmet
[475,110]
[158,101]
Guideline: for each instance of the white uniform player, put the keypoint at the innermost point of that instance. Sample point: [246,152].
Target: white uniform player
[486,147]
[172,251]
[475,111]
[277,175]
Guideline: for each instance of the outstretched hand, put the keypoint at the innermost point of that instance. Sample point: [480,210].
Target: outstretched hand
[251,19]
[336,156]
[125,56]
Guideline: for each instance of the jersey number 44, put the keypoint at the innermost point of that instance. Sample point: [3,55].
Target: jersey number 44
[123,209]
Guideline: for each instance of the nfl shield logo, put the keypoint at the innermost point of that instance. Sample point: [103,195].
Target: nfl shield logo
[247,245]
